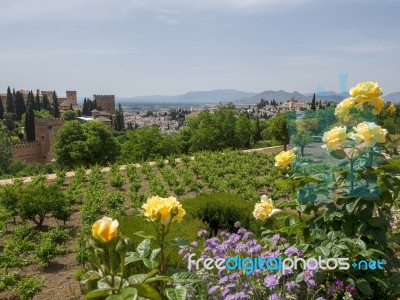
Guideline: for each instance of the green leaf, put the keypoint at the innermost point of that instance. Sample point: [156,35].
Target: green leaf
[319,234]
[147,291]
[186,277]
[322,251]
[137,278]
[338,154]
[97,293]
[378,221]
[89,276]
[360,243]
[132,257]
[159,278]
[145,235]
[155,253]
[347,228]
[149,263]
[144,248]
[364,287]
[177,293]
[180,242]
[126,294]
[352,205]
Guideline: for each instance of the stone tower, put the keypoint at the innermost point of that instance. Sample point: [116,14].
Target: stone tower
[105,102]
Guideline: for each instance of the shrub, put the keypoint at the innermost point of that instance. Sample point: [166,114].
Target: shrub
[39,200]
[28,287]
[115,204]
[59,235]
[188,229]
[46,250]
[7,281]
[221,211]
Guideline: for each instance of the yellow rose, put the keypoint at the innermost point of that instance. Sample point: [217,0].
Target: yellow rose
[391,109]
[284,158]
[369,133]
[164,210]
[105,229]
[367,89]
[335,138]
[264,209]
[375,103]
[342,110]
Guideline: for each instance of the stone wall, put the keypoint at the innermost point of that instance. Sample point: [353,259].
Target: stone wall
[105,102]
[40,150]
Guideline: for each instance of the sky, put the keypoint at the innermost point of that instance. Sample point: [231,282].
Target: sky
[169,47]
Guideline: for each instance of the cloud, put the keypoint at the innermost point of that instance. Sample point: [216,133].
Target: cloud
[21,10]
[303,60]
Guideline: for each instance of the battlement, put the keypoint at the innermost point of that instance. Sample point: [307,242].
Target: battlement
[49,122]
[104,96]
[25,145]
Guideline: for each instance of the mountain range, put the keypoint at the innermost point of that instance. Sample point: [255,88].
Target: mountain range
[242,97]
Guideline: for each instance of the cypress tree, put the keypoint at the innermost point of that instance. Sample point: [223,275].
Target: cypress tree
[119,119]
[20,108]
[84,107]
[313,106]
[30,122]
[56,110]
[45,103]
[37,101]
[10,102]
[1,109]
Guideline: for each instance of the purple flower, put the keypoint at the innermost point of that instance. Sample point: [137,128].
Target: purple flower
[350,288]
[194,244]
[291,286]
[291,250]
[320,298]
[339,284]
[274,297]
[238,296]
[213,289]
[202,232]
[237,224]
[271,281]
[275,238]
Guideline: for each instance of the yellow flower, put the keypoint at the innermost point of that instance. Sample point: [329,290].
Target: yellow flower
[284,158]
[342,110]
[391,109]
[335,138]
[366,89]
[164,210]
[368,93]
[105,229]
[369,133]
[264,209]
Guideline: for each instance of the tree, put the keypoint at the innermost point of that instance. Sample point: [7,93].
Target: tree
[39,200]
[20,108]
[313,104]
[5,149]
[302,139]
[30,122]
[84,107]
[56,110]
[119,119]
[280,127]
[243,131]
[45,103]
[1,109]
[84,144]
[69,115]
[37,101]
[10,102]
[142,144]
